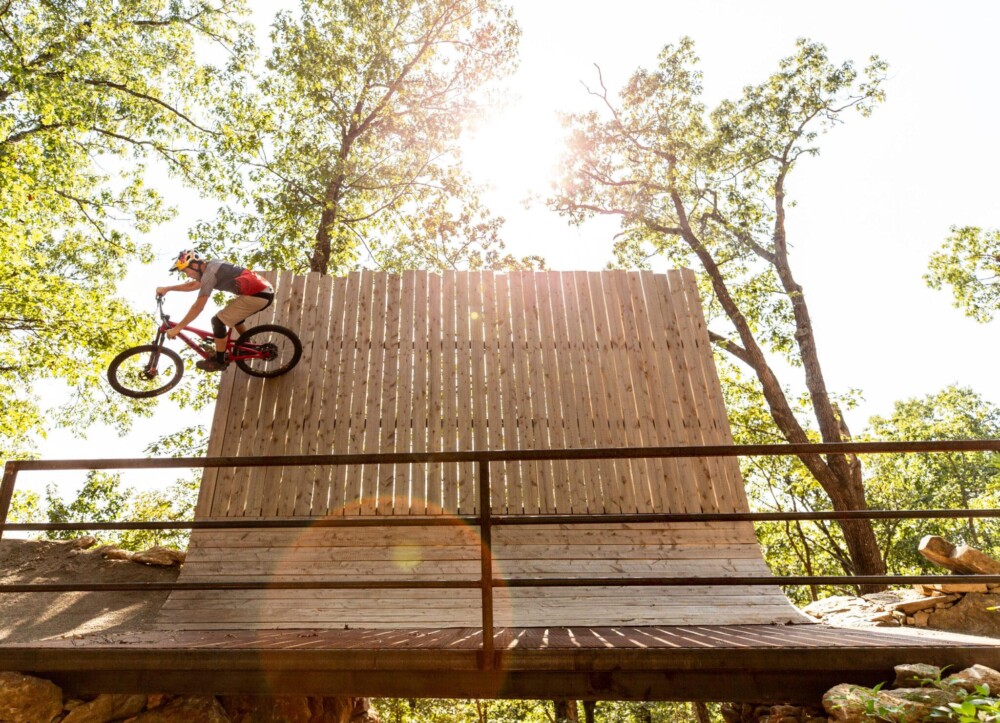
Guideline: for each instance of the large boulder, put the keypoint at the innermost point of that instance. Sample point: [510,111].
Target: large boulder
[26,699]
[977,675]
[970,615]
[196,709]
[961,559]
[106,708]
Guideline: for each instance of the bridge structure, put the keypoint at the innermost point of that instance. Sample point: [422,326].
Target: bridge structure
[501,516]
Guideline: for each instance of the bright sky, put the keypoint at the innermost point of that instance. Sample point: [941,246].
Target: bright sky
[871,208]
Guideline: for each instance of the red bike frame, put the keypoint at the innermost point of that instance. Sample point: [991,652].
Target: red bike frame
[233,353]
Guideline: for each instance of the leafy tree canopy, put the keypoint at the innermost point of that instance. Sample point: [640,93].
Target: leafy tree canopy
[90,91]
[356,156]
[710,189]
[969,263]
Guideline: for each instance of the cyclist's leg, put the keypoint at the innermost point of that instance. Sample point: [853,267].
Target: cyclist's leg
[233,315]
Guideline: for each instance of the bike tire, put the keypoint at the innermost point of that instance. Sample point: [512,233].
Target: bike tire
[127,376]
[287,350]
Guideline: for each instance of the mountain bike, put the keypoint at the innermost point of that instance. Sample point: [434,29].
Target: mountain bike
[268,350]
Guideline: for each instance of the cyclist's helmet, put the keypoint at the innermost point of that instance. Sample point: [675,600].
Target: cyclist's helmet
[184,259]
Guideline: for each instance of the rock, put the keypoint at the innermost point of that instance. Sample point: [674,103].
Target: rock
[936,549]
[159,556]
[969,678]
[83,543]
[851,612]
[846,703]
[932,696]
[908,607]
[110,552]
[106,708]
[921,618]
[196,709]
[970,615]
[960,559]
[956,587]
[26,699]
[891,708]
[915,675]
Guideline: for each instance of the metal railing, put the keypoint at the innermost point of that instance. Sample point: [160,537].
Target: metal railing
[486,519]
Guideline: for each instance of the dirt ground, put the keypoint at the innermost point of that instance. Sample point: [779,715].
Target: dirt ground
[26,617]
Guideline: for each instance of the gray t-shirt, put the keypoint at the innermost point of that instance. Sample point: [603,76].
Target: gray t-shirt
[231,278]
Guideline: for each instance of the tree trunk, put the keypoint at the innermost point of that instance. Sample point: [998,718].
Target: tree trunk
[566,711]
[589,706]
[701,713]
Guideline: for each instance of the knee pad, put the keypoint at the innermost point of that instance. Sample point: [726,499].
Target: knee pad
[218,328]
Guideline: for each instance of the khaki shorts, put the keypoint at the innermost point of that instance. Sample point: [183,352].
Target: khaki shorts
[240,308]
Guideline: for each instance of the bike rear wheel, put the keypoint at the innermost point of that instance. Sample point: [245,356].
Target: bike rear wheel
[145,371]
[267,351]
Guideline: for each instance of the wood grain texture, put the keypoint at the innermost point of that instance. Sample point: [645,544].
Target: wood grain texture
[474,361]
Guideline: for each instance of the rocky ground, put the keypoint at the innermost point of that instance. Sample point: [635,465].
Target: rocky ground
[37,616]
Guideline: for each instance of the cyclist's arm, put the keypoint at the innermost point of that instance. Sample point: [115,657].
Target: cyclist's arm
[191,285]
[190,316]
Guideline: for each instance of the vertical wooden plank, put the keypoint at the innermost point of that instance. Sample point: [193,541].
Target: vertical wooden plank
[571,496]
[244,411]
[550,362]
[492,391]
[643,405]
[720,418]
[593,333]
[698,357]
[326,407]
[611,376]
[367,491]
[350,370]
[434,400]
[533,379]
[315,424]
[260,428]
[478,338]
[697,472]
[650,371]
[509,396]
[383,490]
[279,397]
[586,490]
[359,397]
[400,492]
[308,379]
[625,390]
[450,380]
[670,421]
[471,419]
[421,349]
[216,439]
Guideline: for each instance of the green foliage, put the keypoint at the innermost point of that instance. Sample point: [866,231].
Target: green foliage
[356,155]
[102,498]
[935,481]
[969,263]
[90,92]
[397,710]
[976,707]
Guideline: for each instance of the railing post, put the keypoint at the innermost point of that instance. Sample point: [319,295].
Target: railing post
[486,563]
[7,492]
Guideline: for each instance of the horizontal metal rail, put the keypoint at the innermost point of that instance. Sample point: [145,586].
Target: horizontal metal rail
[466,520]
[716,581]
[485,519]
[522,455]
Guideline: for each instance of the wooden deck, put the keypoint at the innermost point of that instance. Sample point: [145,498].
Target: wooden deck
[700,662]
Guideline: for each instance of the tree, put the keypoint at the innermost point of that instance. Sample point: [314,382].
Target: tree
[949,480]
[969,263]
[712,189]
[91,92]
[359,154]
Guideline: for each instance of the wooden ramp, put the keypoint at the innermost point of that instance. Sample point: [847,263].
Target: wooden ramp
[465,361]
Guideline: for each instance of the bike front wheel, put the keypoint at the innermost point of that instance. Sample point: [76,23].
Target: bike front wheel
[267,351]
[145,371]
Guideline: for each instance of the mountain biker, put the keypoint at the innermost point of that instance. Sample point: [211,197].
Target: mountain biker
[253,294]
